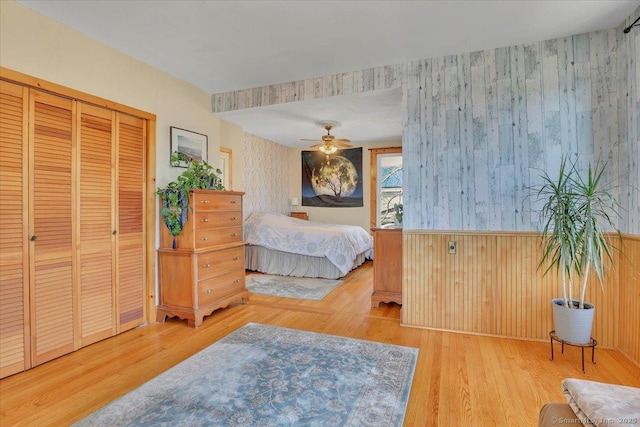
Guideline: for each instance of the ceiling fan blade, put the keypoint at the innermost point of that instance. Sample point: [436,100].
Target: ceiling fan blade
[312,140]
[342,144]
[316,145]
[342,140]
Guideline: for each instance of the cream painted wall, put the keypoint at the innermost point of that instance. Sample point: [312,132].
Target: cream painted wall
[351,216]
[43,48]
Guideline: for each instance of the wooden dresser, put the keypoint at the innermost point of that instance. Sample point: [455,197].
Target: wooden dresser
[300,215]
[206,270]
[387,266]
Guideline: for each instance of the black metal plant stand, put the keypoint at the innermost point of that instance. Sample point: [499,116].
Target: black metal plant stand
[592,343]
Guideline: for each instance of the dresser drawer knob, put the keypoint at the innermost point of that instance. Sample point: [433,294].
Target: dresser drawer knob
[208,291]
[234,234]
[237,281]
[204,220]
[204,238]
[234,202]
[206,266]
[236,258]
[204,201]
[234,218]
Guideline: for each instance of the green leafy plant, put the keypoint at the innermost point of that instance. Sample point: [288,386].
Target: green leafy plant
[397,207]
[175,196]
[576,212]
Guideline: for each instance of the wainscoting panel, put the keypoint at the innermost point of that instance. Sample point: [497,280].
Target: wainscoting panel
[629,314]
[492,286]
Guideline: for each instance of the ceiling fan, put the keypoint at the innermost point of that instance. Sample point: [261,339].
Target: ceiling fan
[329,144]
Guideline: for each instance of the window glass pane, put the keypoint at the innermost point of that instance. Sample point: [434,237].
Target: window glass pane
[389,183]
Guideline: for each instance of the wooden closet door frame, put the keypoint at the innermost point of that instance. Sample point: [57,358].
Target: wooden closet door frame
[150,161]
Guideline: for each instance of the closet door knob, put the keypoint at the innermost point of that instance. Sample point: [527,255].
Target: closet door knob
[33,238]
[114,232]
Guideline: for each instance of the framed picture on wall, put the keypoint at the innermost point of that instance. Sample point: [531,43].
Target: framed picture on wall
[194,145]
[225,167]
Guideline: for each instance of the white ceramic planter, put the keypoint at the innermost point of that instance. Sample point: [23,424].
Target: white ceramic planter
[572,324]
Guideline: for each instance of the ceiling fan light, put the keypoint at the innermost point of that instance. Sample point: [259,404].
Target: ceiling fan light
[328,148]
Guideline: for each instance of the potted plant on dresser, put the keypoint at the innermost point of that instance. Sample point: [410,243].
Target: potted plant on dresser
[175,196]
[576,215]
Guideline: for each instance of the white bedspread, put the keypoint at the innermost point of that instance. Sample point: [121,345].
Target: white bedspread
[341,244]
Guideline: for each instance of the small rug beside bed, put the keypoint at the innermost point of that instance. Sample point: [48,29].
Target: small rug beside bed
[290,287]
[263,375]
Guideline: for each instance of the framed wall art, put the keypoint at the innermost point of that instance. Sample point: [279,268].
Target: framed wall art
[194,145]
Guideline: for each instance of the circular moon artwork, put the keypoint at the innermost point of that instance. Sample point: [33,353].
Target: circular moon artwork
[336,177]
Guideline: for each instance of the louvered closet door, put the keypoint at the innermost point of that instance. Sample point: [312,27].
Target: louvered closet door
[130,219]
[96,242]
[14,283]
[51,128]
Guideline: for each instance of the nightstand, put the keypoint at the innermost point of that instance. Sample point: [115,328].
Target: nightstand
[301,215]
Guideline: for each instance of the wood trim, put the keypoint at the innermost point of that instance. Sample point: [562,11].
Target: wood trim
[229,151]
[58,90]
[373,173]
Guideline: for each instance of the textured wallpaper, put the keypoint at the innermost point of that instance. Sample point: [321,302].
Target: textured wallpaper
[265,175]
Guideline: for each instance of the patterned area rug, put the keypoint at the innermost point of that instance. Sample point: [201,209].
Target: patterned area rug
[290,287]
[264,375]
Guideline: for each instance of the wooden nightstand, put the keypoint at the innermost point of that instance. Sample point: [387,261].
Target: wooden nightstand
[301,215]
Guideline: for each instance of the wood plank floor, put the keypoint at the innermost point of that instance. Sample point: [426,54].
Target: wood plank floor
[460,380]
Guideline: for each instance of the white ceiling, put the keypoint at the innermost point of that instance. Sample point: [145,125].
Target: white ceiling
[221,46]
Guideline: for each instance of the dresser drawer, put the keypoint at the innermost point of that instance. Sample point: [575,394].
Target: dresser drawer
[213,202]
[218,236]
[212,219]
[217,262]
[215,288]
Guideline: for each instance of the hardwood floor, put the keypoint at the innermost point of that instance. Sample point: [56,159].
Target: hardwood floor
[460,380]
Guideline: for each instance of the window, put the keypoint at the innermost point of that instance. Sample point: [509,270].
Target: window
[386,185]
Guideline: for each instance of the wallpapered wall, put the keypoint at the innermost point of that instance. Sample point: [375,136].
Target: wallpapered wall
[265,176]
[629,130]
[479,127]
[484,125]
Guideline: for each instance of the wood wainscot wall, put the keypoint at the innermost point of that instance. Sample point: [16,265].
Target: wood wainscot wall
[629,314]
[492,286]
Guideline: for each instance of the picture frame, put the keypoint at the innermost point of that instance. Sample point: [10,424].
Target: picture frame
[226,166]
[192,144]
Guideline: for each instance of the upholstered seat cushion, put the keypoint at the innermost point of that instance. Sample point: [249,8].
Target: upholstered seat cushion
[554,414]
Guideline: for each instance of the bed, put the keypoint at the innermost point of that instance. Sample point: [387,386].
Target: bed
[279,244]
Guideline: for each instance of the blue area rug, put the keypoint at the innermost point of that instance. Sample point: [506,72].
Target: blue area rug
[264,375]
[290,287]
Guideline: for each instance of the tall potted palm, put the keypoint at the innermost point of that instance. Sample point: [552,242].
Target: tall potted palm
[577,213]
